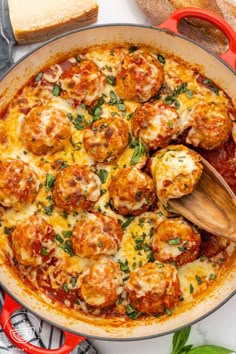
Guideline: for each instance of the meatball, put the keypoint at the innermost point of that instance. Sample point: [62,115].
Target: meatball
[176,171]
[18,184]
[176,241]
[131,191]
[45,129]
[140,76]
[211,125]
[212,245]
[101,284]
[155,123]
[32,241]
[95,235]
[76,188]
[83,82]
[153,288]
[106,139]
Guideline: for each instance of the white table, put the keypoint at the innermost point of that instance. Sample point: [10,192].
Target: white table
[220,327]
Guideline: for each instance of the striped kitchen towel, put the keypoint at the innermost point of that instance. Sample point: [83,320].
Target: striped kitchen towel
[37,332]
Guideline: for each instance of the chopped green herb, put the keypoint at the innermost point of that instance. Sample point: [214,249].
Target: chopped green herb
[49,182]
[113,98]
[79,121]
[133,48]
[175,241]
[73,281]
[102,174]
[125,224]
[199,279]
[65,287]
[59,238]
[191,288]
[44,251]
[139,150]
[161,59]
[168,312]
[132,312]
[111,80]
[56,90]
[48,210]
[121,107]
[170,123]
[7,230]
[212,276]
[189,93]
[100,244]
[202,258]
[129,116]
[66,233]
[78,58]
[124,266]
[39,76]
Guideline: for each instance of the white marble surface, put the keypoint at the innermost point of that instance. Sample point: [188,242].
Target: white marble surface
[220,327]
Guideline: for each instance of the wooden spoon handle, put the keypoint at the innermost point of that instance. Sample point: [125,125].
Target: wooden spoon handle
[211,206]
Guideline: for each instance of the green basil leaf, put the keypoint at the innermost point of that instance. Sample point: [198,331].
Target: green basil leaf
[179,340]
[210,349]
[186,349]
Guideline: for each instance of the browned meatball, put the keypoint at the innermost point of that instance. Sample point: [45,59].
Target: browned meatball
[101,284]
[176,241]
[106,139]
[132,191]
[140,76]
[19,184]
[211,125]
[212,245]
[83,82]
[95,235]
[76,188]
[155,123]
[176,171]
[154,288]
[32,241]
[45,129]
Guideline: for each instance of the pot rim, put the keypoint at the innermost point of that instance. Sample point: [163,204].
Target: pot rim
[41,45]
[118,339]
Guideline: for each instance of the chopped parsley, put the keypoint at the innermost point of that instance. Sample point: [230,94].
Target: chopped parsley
[132,312]
[102,174]
[161,59]
[56,90]
[39,76]
[79,121]
[175,241]
[124,266]
[44,251]
[50,179]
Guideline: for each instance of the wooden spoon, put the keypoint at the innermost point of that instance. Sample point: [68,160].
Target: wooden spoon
[211,206]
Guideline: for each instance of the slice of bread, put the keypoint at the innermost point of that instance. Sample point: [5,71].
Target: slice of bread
[200,31]
[39,20]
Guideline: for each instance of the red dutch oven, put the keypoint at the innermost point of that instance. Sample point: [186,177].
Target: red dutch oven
[221,69]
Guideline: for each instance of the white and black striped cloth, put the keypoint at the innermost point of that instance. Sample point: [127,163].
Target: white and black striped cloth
[37,332]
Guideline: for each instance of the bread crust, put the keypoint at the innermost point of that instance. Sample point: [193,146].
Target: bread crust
[200,31]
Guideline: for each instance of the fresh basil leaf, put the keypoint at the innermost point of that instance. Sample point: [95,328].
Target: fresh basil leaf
[210,349]
[186,349]
[179,340]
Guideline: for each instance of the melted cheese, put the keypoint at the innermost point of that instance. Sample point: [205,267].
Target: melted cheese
[135,248]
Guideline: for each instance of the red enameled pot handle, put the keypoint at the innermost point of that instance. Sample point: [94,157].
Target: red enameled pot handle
[172,24]
[9,307]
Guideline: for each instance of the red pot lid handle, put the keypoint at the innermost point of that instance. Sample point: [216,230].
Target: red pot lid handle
[9,307]
[172,24]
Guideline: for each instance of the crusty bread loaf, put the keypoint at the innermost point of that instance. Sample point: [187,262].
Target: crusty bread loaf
[38,20]
[198,30]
